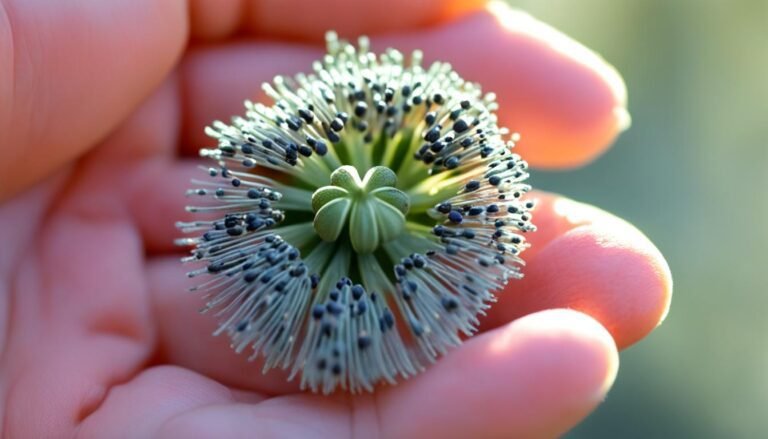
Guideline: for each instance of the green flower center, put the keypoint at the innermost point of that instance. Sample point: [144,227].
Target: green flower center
[370,209]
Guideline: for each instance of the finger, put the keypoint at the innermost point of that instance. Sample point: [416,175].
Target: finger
[216,81]
[567,103]
[185,336]
[157,201]
[62,89]
[140,407]
[535,377]
[589,260]
[213,19]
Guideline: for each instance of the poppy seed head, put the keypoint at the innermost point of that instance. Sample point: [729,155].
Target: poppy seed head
[362,222]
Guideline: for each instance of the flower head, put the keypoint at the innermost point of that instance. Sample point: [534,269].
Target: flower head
[362,222]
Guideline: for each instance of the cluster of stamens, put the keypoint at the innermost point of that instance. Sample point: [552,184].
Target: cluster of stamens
[360,225]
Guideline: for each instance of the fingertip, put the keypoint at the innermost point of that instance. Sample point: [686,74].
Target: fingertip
[594,262]
[535,377]
[585,95]
[565,101]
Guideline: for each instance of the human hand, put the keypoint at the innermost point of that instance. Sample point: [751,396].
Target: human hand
[101,111]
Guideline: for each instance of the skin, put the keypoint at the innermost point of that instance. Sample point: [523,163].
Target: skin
[102,106]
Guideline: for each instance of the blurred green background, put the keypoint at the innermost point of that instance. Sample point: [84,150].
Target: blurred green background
[692,173]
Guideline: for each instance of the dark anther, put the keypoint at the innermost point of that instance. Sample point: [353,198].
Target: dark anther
[357,292]
[433,134]
[455,217]
[307,115]
[360,109]
[449,303]
[363,341]
[460,126]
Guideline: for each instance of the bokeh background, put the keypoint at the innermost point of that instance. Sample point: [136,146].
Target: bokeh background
[692,173]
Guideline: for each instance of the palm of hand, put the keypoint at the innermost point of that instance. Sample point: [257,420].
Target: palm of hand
[102,339]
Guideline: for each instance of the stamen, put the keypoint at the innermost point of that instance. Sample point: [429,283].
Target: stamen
[349,281]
